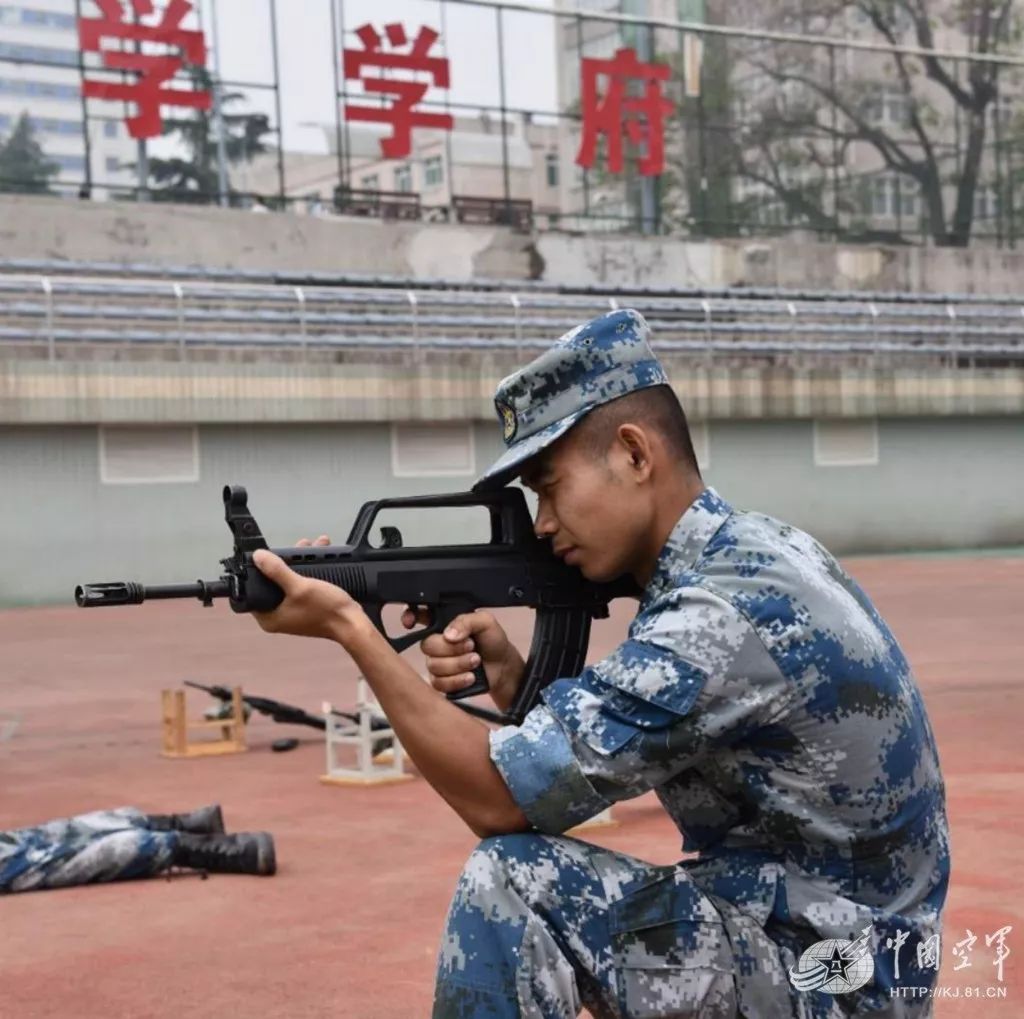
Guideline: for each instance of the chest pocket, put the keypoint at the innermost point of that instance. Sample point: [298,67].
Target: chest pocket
[640,688]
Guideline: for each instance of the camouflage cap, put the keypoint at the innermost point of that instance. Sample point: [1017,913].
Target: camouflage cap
[590,365]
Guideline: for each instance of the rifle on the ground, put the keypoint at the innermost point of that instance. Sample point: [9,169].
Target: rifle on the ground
[515,568]
[288,714]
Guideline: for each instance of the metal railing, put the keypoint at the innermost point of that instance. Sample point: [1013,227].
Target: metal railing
[63,310]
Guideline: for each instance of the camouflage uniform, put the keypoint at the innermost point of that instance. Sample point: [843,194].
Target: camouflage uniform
[765,701]
[106,845]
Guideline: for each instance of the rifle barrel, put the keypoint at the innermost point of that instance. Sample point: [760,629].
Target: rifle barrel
[129,593]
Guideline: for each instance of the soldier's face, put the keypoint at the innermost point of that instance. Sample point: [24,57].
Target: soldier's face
[595,521]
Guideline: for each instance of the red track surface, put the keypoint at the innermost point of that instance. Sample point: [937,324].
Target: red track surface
[350,925]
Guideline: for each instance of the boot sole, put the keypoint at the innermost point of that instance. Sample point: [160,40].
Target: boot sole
[266,858]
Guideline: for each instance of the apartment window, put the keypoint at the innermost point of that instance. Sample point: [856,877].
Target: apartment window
[37,19]
[37,89]
[879,196]
[68,164]
[110,129]
[370,183]
[887,107]
[38,54]
[551,169]
[986,202]
[437,450]
[897,109]
[846,443]
[113,164]
[892,197]
[45,125]
[433,172]
[905,196]
[149,455]
[403,177]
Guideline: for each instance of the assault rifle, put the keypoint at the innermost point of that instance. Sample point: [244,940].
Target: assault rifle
[514,568]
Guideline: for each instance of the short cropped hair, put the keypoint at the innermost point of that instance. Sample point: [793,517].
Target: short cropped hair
[656,407]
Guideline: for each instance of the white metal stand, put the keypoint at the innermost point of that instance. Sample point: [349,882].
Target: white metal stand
[369,770]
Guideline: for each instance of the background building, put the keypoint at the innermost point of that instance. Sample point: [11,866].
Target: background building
[39,74]
[468,161]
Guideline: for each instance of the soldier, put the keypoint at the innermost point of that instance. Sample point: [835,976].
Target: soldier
[115,845]
[758,693]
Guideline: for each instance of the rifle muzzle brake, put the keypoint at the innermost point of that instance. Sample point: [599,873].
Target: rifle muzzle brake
[120,593]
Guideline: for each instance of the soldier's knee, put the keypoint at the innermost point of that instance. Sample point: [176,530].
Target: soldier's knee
[518,846]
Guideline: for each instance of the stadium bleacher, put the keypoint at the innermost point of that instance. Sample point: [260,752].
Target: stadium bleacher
[60,309]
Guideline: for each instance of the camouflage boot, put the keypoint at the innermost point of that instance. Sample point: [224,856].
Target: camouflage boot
[244,853]
[204,821]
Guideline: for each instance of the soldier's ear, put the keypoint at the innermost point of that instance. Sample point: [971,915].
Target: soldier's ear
[636,443]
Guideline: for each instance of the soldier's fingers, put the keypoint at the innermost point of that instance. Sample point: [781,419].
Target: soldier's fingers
[416,614]
[467,624]
[438,646]
[457,672]
[442,667]
[322,540]
[303,543]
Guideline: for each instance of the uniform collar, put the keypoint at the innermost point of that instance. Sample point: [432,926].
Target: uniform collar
[696,527]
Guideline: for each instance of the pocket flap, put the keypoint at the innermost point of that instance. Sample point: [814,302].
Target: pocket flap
[642,677]
[638,688]
[670,899]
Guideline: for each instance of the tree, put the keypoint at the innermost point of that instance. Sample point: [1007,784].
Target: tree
[196,175]
[23,164]
[817,125]
[696,187]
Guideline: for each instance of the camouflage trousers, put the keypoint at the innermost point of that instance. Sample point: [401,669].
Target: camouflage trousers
[106,845]
[542,926]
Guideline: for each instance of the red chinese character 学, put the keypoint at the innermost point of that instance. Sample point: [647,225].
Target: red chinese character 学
[152,70]
[400,113]
[642,117]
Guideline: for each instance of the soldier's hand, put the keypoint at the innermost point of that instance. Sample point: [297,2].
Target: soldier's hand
[304,542]
[472,639]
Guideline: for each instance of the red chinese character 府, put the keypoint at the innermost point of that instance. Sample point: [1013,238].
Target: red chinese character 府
[401,113]
[641,117]
[148,90]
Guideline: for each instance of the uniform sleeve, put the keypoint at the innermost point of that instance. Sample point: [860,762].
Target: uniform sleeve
[692,676]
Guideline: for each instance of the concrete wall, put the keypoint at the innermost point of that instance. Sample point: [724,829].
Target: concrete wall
[796,261]
[955,482]
[460,387]
[129,232]
[126,232]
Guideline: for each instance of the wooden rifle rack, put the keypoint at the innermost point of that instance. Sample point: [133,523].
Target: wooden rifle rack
[176,725]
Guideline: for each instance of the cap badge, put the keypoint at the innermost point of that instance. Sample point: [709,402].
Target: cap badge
[508,421]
